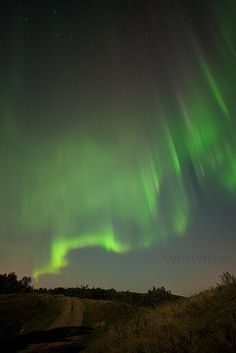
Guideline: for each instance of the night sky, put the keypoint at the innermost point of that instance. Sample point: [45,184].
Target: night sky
[118,142]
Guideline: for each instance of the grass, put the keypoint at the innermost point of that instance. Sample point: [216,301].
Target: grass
[26,315]
[99,315]
[103,313]
[204,323]
[23,313]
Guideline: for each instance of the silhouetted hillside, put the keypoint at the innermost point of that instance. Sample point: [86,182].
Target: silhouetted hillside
[152,298]
[204,323]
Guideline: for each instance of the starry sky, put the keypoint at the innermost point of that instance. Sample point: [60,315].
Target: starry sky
[118,142]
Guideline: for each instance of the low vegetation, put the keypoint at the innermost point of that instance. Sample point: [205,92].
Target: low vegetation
[204,323]
[154,322]
[25,312]
[152,298]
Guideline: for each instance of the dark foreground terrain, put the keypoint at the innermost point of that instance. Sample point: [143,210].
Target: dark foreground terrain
[205,322]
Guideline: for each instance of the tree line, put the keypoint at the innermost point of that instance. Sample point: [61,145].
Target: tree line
[152,297]
[9,283]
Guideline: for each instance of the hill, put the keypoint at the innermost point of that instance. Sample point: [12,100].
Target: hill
[205,322]
[22,313]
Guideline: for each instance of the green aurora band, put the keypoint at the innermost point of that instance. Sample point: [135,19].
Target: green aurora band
[131,189]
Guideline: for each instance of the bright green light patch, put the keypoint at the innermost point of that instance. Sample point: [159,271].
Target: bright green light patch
[62,245]
[125,180]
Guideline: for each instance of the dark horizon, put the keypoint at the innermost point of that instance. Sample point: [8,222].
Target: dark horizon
[118,142]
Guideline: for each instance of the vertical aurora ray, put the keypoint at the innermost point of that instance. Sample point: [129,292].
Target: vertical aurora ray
[118,178]
[213,86]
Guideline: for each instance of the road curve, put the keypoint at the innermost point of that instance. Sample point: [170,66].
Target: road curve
[71,315]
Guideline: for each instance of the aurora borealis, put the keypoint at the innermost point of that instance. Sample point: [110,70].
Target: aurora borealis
[117,119]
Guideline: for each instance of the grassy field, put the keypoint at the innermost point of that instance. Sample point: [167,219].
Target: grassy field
[103,313]
[204,323]
[23,313]
[98,315]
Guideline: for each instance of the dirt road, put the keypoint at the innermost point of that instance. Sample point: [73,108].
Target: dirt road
[63,333]
[71,315]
